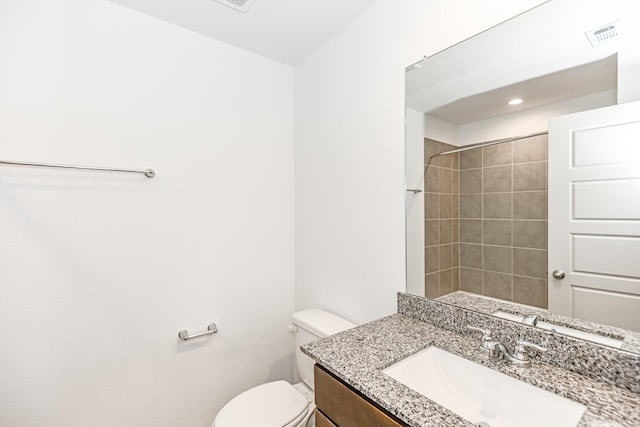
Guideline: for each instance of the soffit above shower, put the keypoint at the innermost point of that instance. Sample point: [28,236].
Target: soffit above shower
[286,31]
[588,79]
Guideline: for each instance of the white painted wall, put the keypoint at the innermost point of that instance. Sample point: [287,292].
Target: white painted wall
[414,202]
[99,272]
[628,72]
[509,125]
[562,45]
[350,149]
[531,120]
[440,130]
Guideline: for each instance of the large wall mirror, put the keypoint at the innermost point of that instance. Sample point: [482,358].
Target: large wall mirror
[523,171]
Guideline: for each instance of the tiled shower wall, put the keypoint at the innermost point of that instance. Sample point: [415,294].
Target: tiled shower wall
[501,216]
[442,220]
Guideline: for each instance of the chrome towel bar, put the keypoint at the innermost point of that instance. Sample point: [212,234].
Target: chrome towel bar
[149,173]
[184,334]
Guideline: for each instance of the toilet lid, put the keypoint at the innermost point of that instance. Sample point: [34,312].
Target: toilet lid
[274,404]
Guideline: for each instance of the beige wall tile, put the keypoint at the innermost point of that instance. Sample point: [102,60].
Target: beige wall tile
[530,262]
[456,255]
[471,280]
[497,258]
[431,285]
[455,182]
[431,183]
[530,234]
[496,179]
[470,255]
[497,205]
[471,159]
[530,291]
[430,147]
[445,206]
[530,205]
[471,206]
[445,282]
[431,259]
[530,149]
[445,181]
[456,230]
[498,285]
[445,161]
[530,176]
[497,232]
[471,231]
[471,181]
[431,229]
[435,147]
[445,254]
[445,231]
[455,205]
[515,218]
[431,205]
[497,155]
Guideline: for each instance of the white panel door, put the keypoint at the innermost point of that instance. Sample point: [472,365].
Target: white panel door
[594,215]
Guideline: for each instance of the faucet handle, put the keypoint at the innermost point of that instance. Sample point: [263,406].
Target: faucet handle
[488,344]
[487,335]
[520,351]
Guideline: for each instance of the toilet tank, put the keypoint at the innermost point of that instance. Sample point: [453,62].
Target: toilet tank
[313,324]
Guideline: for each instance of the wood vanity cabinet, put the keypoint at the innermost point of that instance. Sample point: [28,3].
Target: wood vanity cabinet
[341,406]
[322,421]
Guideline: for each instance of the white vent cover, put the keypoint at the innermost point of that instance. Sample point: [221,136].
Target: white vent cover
[605,34]
[239,5]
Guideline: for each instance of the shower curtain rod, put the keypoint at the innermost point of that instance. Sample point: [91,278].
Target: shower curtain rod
[149,173]
[486,144]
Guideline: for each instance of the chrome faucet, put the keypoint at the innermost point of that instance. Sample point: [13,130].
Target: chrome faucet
[520,352]
[495,349]
[488,344]
[530,319]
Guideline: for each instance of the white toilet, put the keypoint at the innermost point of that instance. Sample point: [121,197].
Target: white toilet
[278,403]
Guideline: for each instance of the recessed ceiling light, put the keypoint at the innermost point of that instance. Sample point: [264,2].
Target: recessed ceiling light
[516,101]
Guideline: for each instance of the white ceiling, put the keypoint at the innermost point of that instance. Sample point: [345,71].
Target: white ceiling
[575,82]
[284,30]
[540,56]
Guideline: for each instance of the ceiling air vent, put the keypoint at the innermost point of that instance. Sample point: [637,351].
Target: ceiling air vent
[239,5]
[605,34]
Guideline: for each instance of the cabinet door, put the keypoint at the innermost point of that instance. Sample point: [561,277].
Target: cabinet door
[322,421]
[345,407]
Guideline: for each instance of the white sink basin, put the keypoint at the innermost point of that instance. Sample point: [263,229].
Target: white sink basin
[599,339]
[480,394]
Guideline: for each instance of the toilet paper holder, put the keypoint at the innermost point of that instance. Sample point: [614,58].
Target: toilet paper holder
[184,334]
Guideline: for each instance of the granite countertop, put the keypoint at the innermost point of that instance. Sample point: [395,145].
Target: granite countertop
[630,339]
[358,355]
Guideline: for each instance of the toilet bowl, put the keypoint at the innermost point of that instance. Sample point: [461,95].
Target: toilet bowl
[279,403]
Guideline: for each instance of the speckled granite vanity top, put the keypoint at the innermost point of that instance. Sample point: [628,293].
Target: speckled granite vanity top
[357,357]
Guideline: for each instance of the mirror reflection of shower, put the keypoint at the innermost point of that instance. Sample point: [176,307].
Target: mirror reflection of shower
[486,219]
[460,97]
[480,224]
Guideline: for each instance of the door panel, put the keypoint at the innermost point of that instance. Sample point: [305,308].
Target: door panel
[606,199]
[601,306]
[601,255]
[594,215]
[588,149]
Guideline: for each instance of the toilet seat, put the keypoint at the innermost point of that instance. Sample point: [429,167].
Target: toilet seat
[274,404]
